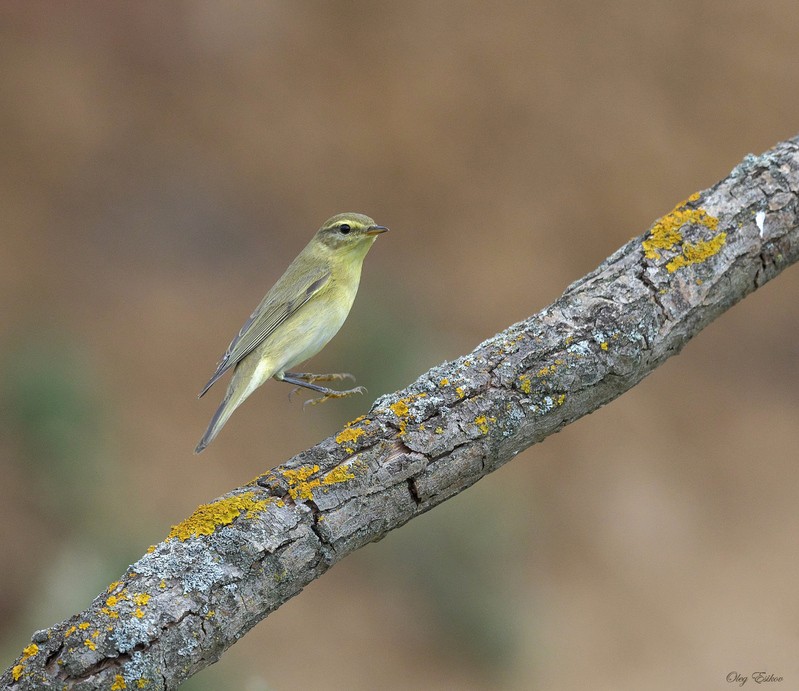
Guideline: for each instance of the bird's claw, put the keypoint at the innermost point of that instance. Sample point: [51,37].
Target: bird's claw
[334,394]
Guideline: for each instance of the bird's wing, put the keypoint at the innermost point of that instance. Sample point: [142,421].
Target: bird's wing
[271,313]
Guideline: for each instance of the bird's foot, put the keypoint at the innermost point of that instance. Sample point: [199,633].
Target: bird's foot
[306,380]
[330,393]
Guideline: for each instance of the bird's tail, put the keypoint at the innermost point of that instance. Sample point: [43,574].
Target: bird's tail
[232,400]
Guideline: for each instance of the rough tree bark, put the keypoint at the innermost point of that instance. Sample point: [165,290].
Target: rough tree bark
[240,557]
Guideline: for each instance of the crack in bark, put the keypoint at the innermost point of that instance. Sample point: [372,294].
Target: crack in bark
[413,491]
[762,272]
[652,289]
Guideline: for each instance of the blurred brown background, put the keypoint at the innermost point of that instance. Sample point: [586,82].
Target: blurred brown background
[161,165]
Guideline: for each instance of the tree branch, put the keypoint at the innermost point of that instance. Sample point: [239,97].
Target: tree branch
[240,557]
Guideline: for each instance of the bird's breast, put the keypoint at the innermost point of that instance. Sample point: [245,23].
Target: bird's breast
[310,329]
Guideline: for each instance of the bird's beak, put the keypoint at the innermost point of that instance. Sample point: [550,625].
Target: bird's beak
[376,230]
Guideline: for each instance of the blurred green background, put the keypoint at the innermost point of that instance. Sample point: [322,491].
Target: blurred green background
[161,165]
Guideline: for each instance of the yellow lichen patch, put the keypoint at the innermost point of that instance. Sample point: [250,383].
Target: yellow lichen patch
[459,390]
[210,613]
[524,383]
[299,487]
[349,434]
[208,517]
[141,599]
[560,400]
[443,382]
[151,549]
[544,371]
[665,234]
[141,683]
[604,345]
[114,600]
[114,586]
[84,625]
[482,423]
[70,631]
[401,409]
[29,652]
[695,254]
[360,418]
[338,474]
[138,613]
[162,584]
[90,644]
[439,430]
[119,683]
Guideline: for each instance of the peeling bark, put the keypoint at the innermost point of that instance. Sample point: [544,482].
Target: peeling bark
[235,560]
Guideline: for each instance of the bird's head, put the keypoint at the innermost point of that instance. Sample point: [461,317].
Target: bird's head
[349,231]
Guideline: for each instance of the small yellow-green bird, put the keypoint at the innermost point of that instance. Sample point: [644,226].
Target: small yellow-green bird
[296,319]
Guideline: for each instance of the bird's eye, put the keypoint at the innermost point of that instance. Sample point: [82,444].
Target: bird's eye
[344,228]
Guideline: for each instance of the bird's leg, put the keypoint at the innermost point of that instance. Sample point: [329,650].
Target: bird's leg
[306,380]
[311,377]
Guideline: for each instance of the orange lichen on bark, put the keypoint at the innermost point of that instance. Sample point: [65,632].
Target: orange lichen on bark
[347,435]
[27,653]
[697,253]
[207,518]
[666,232]
[299,485]
[402,410]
